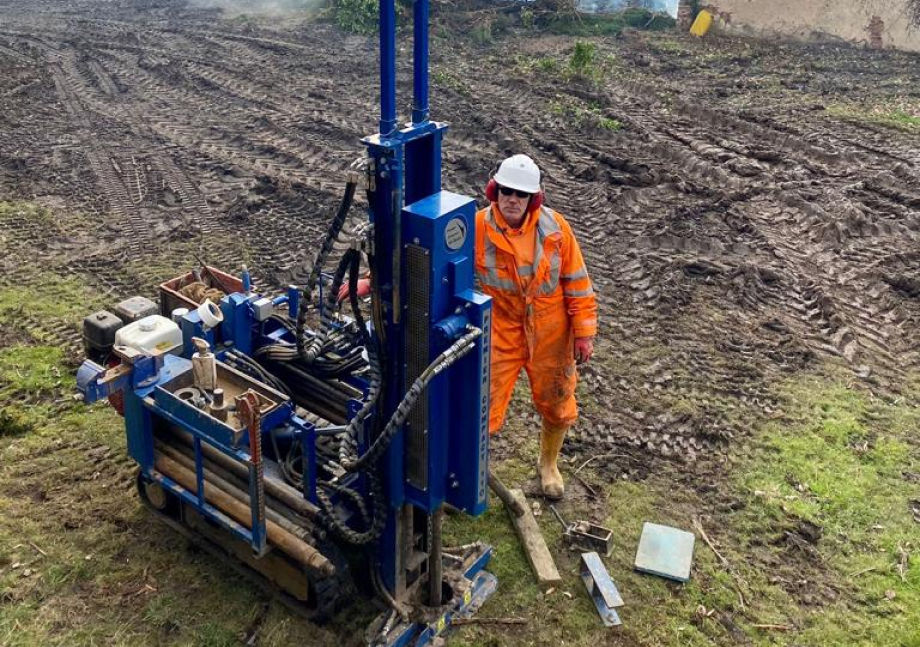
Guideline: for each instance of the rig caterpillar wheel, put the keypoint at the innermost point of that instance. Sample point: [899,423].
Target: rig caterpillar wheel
[333,593]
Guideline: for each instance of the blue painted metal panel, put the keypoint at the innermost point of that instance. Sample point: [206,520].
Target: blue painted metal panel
[138,429]
[385,211]
[468,462]
[481,562]
[238,324]
[423,161]
[665,551]
[192,326]
[601,588]
[442,224]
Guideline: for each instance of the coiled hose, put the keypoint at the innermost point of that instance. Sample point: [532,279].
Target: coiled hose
[368,461]
[457,350]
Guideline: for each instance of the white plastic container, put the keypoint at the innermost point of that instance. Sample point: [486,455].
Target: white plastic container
[152,334]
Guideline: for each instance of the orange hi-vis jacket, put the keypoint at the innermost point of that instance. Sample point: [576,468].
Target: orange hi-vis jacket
[535,320]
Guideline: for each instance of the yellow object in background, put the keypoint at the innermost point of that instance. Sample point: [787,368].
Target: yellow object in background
[702,23]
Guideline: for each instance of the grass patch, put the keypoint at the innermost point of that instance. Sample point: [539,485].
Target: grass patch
[26,210]
[838,462]
[33,370]
[836,459]
[896,118]
[36,308]
[30,377]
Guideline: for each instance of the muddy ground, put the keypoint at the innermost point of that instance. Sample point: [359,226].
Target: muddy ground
[748,211]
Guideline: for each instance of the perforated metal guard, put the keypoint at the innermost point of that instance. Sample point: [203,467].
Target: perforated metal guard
[418,264]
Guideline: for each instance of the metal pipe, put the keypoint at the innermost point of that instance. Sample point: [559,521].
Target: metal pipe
[435,567]
[387,67]
[505,495]
[281,491]
[329,392]
[212,475]
[420,59]
[296,548]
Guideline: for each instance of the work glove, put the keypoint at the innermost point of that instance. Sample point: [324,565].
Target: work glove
[584,348]
[364,288]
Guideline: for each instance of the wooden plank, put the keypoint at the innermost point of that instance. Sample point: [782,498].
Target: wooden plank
[542,563]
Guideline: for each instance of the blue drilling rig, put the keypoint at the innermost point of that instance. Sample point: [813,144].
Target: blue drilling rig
[317,442]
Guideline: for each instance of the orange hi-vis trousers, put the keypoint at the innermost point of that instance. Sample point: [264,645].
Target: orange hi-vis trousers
[538,310]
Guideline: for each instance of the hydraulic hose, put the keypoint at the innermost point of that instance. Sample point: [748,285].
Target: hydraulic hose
[375,521]
[315,349]
[373,390]
[340,527]
[457,350]
[331,235]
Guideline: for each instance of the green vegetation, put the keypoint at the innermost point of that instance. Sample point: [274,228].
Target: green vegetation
[574,23]
[356,16]
[485,29]
[583,57]
[31,370]
[448,79]
[528,18]
[30,376]
[59,299]
[895,118]
[584,113]
[840,464]
[822,540]
[26,211]
[587,62]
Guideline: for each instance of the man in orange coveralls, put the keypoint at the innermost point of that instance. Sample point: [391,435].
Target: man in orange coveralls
[544,314]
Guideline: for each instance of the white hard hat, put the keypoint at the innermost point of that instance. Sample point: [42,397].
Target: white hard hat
[519,172]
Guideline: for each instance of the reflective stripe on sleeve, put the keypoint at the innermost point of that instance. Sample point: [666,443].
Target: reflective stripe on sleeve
[574,276]
[578,293]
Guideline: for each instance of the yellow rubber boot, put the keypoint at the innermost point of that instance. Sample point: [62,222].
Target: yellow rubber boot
[551,437]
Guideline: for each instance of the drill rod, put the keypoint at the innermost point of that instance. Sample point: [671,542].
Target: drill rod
[281,491]
[296,548]
[219,478]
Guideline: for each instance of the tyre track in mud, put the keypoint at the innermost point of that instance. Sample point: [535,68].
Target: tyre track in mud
[841,325]
[729,248]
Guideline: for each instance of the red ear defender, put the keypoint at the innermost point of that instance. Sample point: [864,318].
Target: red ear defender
[536,201]
[492,190]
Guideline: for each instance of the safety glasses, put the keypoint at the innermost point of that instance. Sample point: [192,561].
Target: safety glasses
[508,191]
